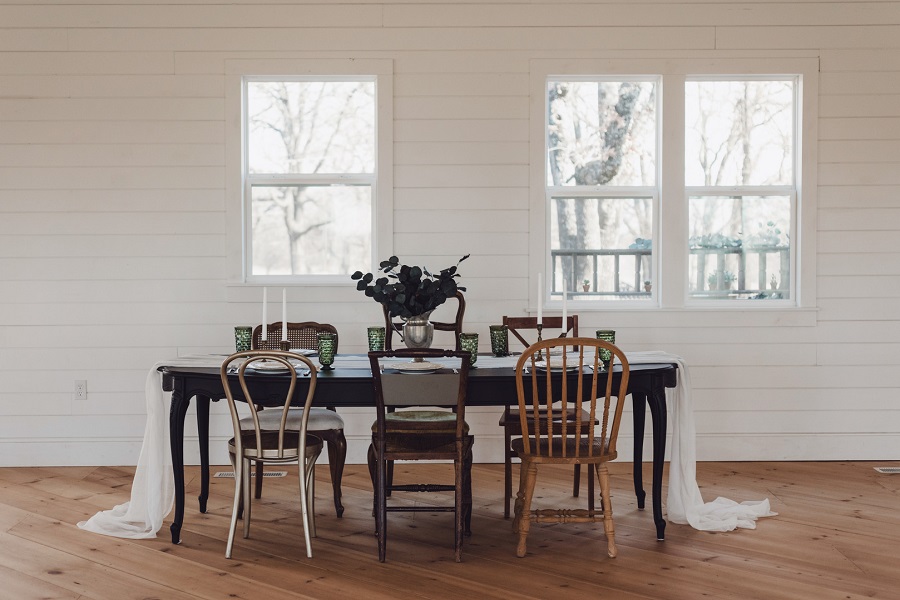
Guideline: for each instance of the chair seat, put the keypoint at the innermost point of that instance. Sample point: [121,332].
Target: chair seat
[320,419]
[419,421]
[514,423]
[582,444]
[431,431]
[269,449]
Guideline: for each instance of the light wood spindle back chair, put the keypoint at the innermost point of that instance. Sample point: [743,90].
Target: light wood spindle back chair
[509,420]
[576,379]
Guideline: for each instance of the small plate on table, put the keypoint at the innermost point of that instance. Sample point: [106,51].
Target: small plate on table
[415,368]
[556,365]
[304,351]
[270,366]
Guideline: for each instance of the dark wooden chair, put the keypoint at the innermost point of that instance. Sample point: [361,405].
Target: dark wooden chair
[422,433]
[260,444]
[455,326]
[549,439]
[324,422]
[509,420]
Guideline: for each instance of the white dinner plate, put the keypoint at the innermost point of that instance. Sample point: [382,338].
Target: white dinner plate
[556,364]
[269,366]
[415,368]
[304,351]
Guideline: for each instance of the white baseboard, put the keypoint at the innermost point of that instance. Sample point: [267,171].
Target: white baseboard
[487,449]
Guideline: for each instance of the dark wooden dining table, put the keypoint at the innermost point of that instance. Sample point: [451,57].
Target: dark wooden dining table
[345,387]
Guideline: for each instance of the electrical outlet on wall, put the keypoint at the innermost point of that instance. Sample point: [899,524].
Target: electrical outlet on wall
[80,392]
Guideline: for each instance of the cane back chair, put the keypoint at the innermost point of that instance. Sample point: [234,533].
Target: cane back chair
[574,379]
[261,444]
[324,422]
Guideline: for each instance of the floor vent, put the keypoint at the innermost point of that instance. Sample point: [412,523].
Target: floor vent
[891,470]
[230,474]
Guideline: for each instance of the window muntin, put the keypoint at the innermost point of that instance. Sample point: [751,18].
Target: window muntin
[309,164]
[602,140]
[740,166]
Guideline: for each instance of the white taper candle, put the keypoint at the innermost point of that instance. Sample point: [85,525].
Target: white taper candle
[265,319]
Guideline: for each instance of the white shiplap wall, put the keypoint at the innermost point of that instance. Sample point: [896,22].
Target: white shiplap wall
[114,236]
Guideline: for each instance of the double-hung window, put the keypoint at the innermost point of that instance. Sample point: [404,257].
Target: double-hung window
[309,175]
[602,185]
[740,165]
[684,186]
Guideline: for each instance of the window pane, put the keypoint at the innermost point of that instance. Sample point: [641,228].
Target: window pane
[605,241]
[601,133]
[311,230]
[311,126]
[739,133]
[740,247]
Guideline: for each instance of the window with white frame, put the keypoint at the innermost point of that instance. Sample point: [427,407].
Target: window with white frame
[602,185]
[740,165]
[701,206]
[309,175]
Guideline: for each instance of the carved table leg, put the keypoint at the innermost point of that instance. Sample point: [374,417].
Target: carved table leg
[639,402]
[203,435]
[177,411]
[657,402]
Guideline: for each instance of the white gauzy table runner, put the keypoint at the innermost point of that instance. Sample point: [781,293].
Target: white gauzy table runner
[153,489]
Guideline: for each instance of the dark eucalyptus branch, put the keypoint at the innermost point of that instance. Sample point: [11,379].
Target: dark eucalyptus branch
[409,291]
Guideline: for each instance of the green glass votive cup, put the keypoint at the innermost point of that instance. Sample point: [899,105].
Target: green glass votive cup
[468,342]
[376,339]
[242,337]
[499,340]
[327,342]
[607,335]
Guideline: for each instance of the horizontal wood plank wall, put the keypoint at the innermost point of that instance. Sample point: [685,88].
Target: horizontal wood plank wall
[114,238]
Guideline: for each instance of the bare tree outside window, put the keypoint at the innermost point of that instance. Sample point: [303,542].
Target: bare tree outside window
[310,164]
[739,175]
[602,172]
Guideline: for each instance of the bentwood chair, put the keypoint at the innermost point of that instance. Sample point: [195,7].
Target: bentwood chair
[575,378]
[261,444]
[455,326]
[509,420]
[421,433]
[324,422]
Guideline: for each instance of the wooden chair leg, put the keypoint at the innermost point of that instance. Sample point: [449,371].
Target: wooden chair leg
[259,479]
[507,470]
[337,455]
[238,491]
[608,526]
[591,469]
[523,512]
[467,491]
[247,502]
[459,468]
[576,480]
[381,507]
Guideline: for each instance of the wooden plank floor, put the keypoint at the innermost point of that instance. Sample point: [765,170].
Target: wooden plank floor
[837,535]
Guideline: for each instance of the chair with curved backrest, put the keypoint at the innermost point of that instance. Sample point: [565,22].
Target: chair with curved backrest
[455,326]
[509,420]
[324,422]
[577,380]
[260,444]
[422,433]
